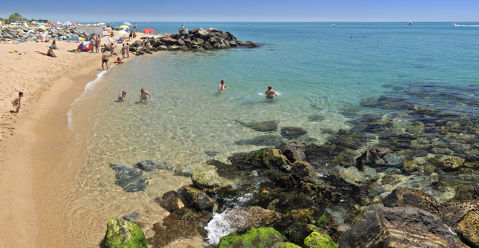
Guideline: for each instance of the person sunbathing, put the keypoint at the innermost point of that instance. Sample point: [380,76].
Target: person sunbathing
[119,61]
[51,53]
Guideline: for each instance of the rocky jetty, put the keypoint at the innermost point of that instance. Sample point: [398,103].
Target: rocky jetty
[196,40]
[32,34]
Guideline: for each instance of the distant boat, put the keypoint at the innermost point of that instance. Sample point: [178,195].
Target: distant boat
[333,25]
[457,25]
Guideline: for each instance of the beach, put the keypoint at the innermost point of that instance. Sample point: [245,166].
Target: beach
[361,124]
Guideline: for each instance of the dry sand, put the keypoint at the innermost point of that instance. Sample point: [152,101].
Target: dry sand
[33,142]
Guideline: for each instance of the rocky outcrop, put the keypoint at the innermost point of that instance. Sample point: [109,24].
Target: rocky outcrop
[123,234]
[32,34]
[197,40]
[399,228]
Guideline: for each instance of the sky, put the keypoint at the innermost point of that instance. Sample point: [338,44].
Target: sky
[246,10]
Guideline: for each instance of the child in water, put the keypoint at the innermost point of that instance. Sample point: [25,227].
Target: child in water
[222,86]
[270,92]
[122,96]
[144,94]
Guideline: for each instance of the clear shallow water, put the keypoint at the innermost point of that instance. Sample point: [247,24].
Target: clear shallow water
[317,69]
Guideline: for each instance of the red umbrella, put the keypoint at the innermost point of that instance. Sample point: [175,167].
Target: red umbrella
[148,31]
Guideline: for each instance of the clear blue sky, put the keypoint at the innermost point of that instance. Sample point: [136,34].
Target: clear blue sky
[246,10]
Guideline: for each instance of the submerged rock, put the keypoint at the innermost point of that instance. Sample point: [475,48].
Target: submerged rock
[209,179]
[123,234]
[463,217]
[468,228]
[292,132]
[148,165]
[398,227]
[261,126]
[130,179]
[403,197]
[195,198]
[256,237]
[293,151]
[169,201]
[264,140]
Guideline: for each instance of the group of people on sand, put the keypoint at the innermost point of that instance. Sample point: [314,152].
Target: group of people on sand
[125,53]
[269,93]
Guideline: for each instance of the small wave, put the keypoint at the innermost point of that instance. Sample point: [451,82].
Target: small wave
[88,87]
[218,227]
[262,93]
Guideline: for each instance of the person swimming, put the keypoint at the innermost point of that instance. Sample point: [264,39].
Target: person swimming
[144,94]
[270,92]
[122,96]
[222,86]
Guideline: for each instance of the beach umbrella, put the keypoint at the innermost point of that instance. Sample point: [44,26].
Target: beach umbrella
[110,40]
[50,22]
[81,38]
[39,25]
[76,38]
[123,33]
[148,31]
[123,26]
[127,23]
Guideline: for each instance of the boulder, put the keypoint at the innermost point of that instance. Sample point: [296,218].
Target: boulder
[256,237]
[274,160]
[292,132]
[130,179]
[195,198]
[293,151]
[398,227]
[351,175]
[463,218]
[468,228]
[244,219]
[403,197]
[373,157]
[203,33]
[123,234]
[209,179]
[249,44]
[318,240]
[448,163]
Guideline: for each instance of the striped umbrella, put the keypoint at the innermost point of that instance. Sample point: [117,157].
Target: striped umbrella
[110,40]
[148,31]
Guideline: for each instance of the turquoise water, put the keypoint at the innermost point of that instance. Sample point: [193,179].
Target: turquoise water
[319,70]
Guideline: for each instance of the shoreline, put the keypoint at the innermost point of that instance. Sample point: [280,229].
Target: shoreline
[37,140]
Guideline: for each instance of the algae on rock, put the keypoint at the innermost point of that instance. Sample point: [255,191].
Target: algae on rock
[255,237]
[318,240]
[124,234]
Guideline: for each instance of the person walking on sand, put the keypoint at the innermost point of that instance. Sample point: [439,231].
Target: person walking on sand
[123,51]
[127,50]
[143,95]
[17,102]
[270,92]
[222,86]
[104,60]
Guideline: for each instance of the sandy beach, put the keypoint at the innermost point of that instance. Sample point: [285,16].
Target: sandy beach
[35,141]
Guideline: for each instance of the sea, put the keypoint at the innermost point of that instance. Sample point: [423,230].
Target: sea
[319,70]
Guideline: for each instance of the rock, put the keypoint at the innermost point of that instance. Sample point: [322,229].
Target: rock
[293,151]
[261,126]
[203,33]
[148,165]
[131,217]
[467,192]
[403,197]
[195,198]
[351,175]
[318,240]
[123,234]
[398,227]
[209,179]
[448,162]
[211,153]
[130,179]
[169,201]
[292,132]
[468,228]
[285,245]
[303,171]
[184,223]
[249,44]
[245,219]
[373,157]
[264,140]
[274,160]
[256,237]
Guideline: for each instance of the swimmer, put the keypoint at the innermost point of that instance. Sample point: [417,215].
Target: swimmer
[122,96]
[222,86]
[144,94]
[270,92]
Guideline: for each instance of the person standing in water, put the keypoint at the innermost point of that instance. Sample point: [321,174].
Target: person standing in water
[143,95]
[222,86]
[270,92]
